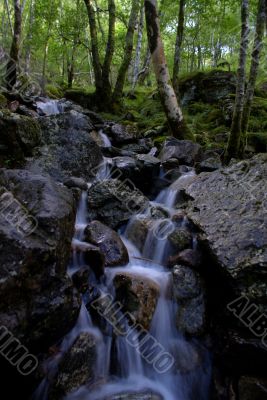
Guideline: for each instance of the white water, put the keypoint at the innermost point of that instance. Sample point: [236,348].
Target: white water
[133,372]
[105,139]
[50,107]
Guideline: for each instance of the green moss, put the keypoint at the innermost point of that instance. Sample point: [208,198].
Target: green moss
[3,101]
[54,92]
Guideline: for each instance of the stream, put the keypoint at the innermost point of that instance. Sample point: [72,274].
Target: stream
[181,370]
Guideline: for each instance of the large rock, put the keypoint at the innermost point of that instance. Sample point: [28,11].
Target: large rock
[19,136]
[122,134]
[76,368]
[207,87]
[109,243]
[138,295]
[114,203]
[229,207]
[37,220]
[188,291]
[180,239]
[67,150]
[185,151]
[140,169]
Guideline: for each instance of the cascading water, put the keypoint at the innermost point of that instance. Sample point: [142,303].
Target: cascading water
[50,107]
[186,379]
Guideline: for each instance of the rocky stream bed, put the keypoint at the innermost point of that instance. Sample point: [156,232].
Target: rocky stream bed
[162,233]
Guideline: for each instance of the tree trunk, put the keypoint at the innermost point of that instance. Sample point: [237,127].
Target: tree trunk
[99,21]
[138,48]
[178,47]
[118,91]
[12,66]
[29,39]
[106,90]
[95,49]
[168,98]
[233,146]
[254,68]
[144,73]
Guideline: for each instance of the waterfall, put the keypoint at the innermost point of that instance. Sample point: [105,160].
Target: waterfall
[50,107]
[182,380]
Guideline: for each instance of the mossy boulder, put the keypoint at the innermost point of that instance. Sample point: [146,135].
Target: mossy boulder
[54,92]
[81,97]
[208,87]
[18,138]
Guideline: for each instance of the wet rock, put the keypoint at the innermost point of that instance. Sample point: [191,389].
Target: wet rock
[74,182]
[138,295]
[170,164]
[23,110]
[35,243]
[140,169]
[209,165]
[127,167]
[81,279]
[137,148]
[252,388]
[93,256]
[180,239]
[149,169]
[76,368]
[186,283]
[229,207]
[67,149]
[185,151]
[114,203]
[109,243]
[137,231]
[189,258]
[211,161]
[19,136]
[188,291]
[122,134]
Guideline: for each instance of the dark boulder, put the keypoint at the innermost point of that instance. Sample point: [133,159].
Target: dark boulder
[19,136]
[67,149]
[122,134]
[138,295]
[185,151]
[114,203]
[207,87]
[189,291]
[76,368]
[37,221]
[109,243]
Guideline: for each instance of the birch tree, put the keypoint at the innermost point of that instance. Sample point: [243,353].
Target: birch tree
[168,98]
[254,68]
[137,60]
